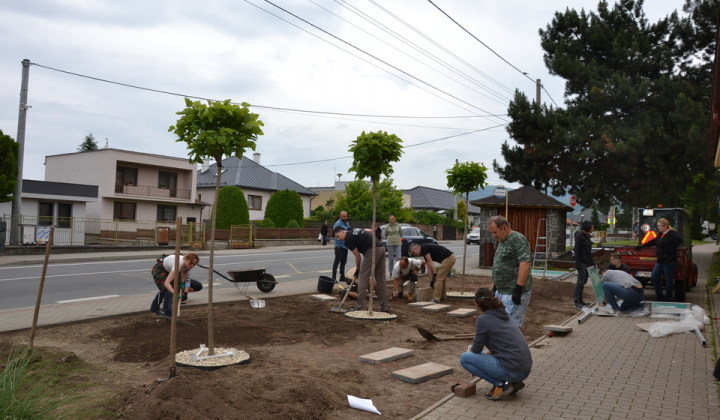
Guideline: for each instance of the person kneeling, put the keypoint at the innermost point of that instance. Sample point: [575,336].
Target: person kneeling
[507,360]
[618,284]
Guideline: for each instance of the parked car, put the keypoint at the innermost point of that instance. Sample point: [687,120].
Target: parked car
[410,234]
[473,237]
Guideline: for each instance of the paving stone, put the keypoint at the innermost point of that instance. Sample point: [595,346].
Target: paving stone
[436,307]
[324,298]
[387,355]
[462,313]
[422,373]
[425,294]
[419,304]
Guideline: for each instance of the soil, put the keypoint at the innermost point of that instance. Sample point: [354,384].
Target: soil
[304,358]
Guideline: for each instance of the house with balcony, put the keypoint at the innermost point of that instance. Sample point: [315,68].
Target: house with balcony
[131,185]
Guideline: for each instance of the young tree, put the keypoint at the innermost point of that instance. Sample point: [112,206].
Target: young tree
[232,208]
[216,130]
[284,206]
[373,154]
[88,144]
[634,129]
[8,167]
[464,178]
[358,199]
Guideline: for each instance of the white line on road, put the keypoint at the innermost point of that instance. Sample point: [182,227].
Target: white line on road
[86,299]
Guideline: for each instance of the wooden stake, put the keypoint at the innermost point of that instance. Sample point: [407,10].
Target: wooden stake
[176,302]
[42,284]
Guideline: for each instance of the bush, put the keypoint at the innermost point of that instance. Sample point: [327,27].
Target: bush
[232,208]
[265,223]
[293,224]
[284,206]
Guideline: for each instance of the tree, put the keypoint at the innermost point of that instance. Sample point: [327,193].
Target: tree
[373,154]
[284,206]
[634,129]
[88,144]
[213,131]
[232,208]
[357,200]
[8,167]
[464,178]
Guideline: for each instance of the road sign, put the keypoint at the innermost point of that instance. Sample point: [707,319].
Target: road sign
[573,200]
[500,191]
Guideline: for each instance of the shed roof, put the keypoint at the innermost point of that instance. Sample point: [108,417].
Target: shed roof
[522,197]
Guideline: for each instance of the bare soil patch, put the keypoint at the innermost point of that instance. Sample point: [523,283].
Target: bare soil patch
[304,358]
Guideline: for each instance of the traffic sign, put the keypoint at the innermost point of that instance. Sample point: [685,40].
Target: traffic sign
[573,200]
[500,191]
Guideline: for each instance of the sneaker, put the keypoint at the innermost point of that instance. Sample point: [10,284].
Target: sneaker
[386,310]
[434,301]
[498,392]
[517,388]
[580,304]
[411,296]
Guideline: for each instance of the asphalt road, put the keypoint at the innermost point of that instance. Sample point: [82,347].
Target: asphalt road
[105,279]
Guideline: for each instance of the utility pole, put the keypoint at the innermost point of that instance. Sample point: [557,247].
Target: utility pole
[538,88]
[17,198]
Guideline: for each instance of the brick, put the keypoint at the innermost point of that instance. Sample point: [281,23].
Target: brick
[464,390]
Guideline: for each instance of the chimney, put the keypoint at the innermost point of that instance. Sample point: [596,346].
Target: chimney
[256,157]
[204,167]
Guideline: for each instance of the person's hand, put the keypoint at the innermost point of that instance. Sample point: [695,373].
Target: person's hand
[469,347]
[516,294]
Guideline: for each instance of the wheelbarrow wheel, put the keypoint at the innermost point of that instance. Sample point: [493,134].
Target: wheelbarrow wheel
[266,283]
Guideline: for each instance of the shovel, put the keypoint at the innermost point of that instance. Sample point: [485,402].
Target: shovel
[256,303]
[431,337]
[340,308]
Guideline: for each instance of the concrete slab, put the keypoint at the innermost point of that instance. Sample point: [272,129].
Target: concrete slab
[463,312]
[422,373]
[425,294]
[436,307]
[387,355]
[324,298]
[419,304]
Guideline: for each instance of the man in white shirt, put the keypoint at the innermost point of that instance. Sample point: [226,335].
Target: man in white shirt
[618,284]
[406,269]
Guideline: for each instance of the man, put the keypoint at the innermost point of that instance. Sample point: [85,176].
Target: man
[406,269]
[163,273]
[511,268]
[618,284]
[341,250]
[324,233]
[360,242]
[435,253]
[617,264]
[583,260]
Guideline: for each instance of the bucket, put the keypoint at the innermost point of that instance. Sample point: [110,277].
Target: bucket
[325,284]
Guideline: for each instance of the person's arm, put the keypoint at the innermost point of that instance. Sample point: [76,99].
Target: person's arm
[357,261]
[430,265]
[523,272]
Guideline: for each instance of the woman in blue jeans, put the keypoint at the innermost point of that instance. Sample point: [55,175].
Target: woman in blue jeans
[667,244]
[506,360]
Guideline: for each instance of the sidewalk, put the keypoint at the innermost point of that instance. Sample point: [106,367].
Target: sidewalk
[607,368]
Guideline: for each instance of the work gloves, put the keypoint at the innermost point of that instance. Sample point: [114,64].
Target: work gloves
[432,282]
[516,294]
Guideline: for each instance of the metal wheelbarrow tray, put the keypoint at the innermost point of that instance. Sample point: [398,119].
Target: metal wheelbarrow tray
[265,281]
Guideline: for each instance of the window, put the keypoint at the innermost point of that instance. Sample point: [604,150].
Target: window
[166,213]
[255,202]
[125,176]
[64,214]
[45,214]
[168,180]
[124,211]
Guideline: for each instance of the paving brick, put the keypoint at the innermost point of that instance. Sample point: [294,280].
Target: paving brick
[323,298]
[462,312]
[385,356]
[422,373]
[438,307]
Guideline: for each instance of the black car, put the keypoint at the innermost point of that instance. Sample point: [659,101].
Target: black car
[412,234]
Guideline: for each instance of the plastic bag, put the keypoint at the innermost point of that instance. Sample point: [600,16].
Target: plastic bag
[661,329]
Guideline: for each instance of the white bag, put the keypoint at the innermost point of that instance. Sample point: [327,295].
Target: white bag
[319,237]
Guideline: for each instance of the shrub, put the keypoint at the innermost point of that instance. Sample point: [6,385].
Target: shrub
[265,223]
[293,224]
[232,208]
[284,206]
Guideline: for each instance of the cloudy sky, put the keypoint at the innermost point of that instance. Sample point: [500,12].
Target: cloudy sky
[437,74]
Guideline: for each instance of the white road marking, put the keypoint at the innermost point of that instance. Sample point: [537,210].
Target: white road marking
[86,299]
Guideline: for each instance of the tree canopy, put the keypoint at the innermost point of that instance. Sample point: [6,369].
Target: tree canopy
[283,207]
[8,167]
[635,124]
[88,144]
[357,201]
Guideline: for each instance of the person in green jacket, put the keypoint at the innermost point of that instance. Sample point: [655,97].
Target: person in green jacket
[393,234]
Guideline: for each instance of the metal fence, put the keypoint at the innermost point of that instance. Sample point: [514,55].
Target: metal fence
[86,231]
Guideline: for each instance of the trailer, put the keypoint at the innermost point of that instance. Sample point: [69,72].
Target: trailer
[642,260]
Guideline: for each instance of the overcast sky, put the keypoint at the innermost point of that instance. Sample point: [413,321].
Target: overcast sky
[371,60]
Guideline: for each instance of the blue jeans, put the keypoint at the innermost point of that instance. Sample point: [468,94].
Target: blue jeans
[631,298]
[668,269]
[166,298]
[486,366]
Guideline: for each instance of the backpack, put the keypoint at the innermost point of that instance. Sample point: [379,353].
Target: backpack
[159,273]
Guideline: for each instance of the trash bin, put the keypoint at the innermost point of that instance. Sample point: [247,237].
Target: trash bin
[487,254]
[163,235]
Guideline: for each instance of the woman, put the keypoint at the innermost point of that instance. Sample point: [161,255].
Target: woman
[393,233]
[667,244]
[164,273]
[507,360]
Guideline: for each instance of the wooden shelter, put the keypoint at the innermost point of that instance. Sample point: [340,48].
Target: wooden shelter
[531,213]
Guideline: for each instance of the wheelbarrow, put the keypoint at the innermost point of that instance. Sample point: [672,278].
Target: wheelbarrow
[265,281]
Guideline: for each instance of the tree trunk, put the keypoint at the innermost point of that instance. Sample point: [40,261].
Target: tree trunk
[373,222]
[465,223]
[213,217]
